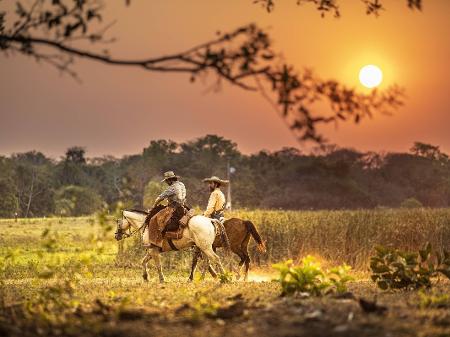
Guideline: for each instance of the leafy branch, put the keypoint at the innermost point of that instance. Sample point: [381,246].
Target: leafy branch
[373,7]
[50,31]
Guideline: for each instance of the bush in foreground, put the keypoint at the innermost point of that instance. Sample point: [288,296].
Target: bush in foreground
[309,277]
[396,269]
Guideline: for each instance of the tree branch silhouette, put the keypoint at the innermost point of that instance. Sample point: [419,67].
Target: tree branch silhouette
[373,7]
[47,30]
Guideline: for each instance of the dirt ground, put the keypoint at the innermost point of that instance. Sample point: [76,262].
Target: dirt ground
[250,309]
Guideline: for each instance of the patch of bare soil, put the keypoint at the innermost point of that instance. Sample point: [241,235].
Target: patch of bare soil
[353,314]
[297,317]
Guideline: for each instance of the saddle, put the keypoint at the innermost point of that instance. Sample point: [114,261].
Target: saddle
[174,230]
[169,226]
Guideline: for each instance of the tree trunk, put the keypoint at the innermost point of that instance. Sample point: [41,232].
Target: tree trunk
[30,196]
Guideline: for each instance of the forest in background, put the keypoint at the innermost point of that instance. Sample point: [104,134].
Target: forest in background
[330,177]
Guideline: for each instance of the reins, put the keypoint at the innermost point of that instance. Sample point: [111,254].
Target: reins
[130,232]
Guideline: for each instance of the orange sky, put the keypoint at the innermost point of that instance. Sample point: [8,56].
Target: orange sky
[119,110]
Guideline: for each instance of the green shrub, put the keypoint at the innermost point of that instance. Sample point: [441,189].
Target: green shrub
[339,276]
[395,269]
[310,278]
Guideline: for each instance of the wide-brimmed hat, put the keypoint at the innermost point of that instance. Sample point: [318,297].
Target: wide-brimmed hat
[215,179]
[169,175]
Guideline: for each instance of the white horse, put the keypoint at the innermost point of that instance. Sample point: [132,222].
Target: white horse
[200,232]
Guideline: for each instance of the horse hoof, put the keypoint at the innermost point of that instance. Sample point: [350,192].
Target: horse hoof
[145,277]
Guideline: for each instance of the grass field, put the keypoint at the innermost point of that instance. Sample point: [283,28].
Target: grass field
[64,277]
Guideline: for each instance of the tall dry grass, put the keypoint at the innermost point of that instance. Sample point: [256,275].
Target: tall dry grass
[346,236]
[335,236]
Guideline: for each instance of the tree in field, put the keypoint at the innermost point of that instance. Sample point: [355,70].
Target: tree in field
[50,31]
[157,157]
[428,151]
[152,190]
[426,179]
[9,204]
[335,178]
[72,168]
[134,179]
[8,200]
[76,201]
[210,154]
[76,155]
[105,176]
[34,183]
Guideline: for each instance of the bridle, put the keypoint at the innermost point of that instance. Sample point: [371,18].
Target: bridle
[122,234]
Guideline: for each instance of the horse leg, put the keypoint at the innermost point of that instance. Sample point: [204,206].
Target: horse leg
[247,267]
[231,265]
[155,255]
[210,268]
[145,260]
[245,257]
[205,266]
[197,254]
[212,271]
[214,258]
[245,260]
[241,263]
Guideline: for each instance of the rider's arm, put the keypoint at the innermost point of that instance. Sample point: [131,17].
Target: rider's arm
[170,191]
[211,203]
[157,201]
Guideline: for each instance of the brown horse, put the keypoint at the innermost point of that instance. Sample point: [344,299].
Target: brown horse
[239,232]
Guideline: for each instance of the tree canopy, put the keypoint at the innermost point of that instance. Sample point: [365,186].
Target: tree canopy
[331,177]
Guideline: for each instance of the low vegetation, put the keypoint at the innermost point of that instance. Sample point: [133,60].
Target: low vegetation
[69,277]
[396,269]
[310,278]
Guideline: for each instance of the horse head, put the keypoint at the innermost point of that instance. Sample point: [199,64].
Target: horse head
[130,218]
[122,226]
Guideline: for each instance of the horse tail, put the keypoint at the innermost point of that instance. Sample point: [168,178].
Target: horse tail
[256,236]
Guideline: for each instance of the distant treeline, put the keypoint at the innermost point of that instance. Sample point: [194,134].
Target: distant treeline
[32,184]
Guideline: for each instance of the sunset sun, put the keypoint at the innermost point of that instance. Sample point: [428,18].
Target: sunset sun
[370,76]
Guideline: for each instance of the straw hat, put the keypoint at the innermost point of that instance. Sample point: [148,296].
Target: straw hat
[169,175]
[215,179]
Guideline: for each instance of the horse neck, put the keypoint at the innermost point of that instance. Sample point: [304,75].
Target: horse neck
[134,221]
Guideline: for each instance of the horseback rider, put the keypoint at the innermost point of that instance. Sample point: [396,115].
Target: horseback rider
[216,202]
[175,194]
